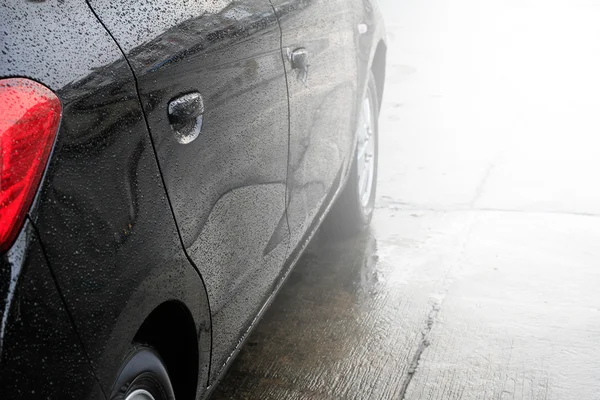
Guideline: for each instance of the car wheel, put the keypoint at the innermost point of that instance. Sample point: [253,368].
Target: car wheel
[353,210]
[143,377]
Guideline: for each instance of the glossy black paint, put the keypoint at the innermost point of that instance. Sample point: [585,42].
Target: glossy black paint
[41,354]
[107,226]
[129,220]
[322,107]
[102,212]
[227,187]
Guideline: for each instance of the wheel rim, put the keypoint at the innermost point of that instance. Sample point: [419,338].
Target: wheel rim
[365,155]
[140,394]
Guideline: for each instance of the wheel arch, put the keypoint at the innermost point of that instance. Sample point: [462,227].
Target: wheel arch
[171,331]
[168,311]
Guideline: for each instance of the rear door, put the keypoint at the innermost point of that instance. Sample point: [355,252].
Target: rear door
[212,86]
[320,49]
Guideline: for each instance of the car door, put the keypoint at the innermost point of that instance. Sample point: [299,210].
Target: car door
[319,45]
[212,86]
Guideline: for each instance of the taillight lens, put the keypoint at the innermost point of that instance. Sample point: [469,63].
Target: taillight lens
[29,119]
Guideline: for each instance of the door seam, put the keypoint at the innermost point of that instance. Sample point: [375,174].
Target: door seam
[135,81]
[289,123]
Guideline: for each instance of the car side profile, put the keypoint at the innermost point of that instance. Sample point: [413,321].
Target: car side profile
[163,165]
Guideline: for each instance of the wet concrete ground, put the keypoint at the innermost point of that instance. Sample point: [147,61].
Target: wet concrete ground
[480,276]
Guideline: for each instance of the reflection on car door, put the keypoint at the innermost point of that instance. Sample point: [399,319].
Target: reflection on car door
[212,85]
[322,96]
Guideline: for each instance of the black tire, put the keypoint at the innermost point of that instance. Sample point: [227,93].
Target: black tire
[348,217]
[143,370]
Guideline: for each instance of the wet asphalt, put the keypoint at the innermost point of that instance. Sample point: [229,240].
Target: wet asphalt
[480,275]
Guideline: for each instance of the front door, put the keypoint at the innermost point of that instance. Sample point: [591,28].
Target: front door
[320,49]
[213,89]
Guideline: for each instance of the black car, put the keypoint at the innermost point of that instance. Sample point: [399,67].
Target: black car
[163,165]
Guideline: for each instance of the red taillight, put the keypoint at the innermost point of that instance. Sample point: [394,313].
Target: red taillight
[29,118]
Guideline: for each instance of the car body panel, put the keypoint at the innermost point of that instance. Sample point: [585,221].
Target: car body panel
[40,353]
[227,187]
[322,108]
[364,12]
[104,177]
[102,202]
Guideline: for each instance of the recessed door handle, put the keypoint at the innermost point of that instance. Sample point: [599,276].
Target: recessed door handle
[299,61]
[186,116]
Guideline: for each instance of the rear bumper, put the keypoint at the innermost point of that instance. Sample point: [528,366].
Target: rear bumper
[40,353]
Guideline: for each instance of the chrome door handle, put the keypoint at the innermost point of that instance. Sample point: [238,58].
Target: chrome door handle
[299,61]
[186,116]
